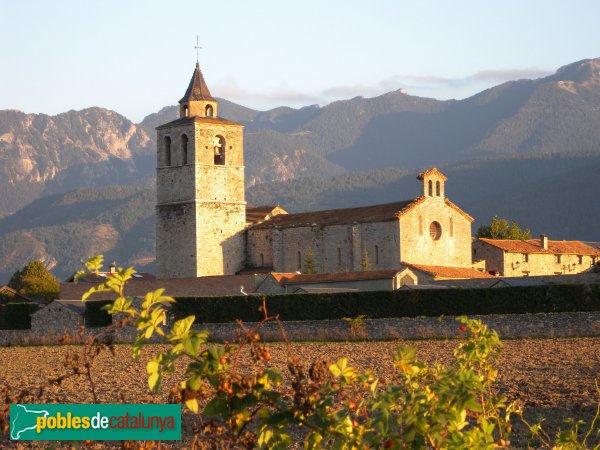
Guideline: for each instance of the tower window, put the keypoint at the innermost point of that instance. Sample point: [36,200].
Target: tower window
[209,111]
[430,184]
[437,188]
[580,259]
[186,111]
[525,257]
[184,149]
[435,230]
[167,151]
[557,259]
[299,257]
[219,150]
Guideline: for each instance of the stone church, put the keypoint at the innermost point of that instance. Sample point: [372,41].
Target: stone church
[204,226]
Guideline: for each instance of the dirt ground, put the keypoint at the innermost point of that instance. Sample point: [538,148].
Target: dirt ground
[554,378]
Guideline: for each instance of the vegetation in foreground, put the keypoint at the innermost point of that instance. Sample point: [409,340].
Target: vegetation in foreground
[331,405]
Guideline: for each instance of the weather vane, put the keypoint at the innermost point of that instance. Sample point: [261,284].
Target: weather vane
[197,47]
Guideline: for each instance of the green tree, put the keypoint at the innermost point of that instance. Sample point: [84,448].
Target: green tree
[501,229]
[35,281]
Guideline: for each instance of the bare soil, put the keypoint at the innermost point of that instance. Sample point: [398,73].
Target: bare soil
[554,378]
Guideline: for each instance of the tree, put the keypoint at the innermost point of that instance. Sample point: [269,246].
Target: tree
[35,281]
[501,229]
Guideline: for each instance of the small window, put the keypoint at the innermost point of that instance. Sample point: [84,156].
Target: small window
[184,149]
[451,227]
[437,188]
[209,111]
[420,225]
[219,150]
[525,257]
[262,260]
[580,259]
[186,111]
[435,230]
[339,257]
[376,254]
[430,188]
[557,259]
[299,256]
[167,151]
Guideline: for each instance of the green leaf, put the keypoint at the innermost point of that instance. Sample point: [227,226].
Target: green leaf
[181,327]
[217,407]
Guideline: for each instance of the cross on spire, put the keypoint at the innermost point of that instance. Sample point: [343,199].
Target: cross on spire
[197,47]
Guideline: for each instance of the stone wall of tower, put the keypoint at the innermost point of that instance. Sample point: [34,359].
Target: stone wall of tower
[175,237]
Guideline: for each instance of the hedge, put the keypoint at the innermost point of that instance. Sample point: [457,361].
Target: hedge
[17,316]
[382,304]
[95,316]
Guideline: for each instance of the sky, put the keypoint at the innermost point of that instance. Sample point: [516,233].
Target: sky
[136,57]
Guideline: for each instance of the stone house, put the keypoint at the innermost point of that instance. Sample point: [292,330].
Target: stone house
[535,257]
[204,227]
[9,295]
[58,316]
[374,280]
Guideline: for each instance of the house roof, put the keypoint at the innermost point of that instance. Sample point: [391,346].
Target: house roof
[7,291]
[257,214]
[73,306]
[442,272]
[197,89]
[374,213]
[174,287]
[332,277]
[101,276]
[431,171]
[535,246]
[194,119]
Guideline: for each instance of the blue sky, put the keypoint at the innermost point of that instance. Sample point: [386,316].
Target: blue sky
[137,56]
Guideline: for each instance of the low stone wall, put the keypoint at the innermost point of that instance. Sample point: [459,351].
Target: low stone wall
[549,325]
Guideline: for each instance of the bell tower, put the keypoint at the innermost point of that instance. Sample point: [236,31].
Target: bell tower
[201,208]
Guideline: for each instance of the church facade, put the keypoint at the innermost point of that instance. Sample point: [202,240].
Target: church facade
[204,226]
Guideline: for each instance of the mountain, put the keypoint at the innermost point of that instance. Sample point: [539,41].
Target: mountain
[527,149]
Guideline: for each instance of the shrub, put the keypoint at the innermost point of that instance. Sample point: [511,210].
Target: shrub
[35,281]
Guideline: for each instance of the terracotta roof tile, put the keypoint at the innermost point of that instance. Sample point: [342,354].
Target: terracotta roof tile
[197,89]
[256,214]
[332,277]
[175,287]
[432,171]
[440,272]
[193,119]
[362,214]
[534,246]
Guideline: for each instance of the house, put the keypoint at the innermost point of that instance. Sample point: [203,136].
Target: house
[9,295]
[535,257]
[58,316]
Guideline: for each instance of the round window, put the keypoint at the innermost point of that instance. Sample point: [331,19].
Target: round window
[435,230]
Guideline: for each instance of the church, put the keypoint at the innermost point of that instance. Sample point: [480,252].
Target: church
[204,226]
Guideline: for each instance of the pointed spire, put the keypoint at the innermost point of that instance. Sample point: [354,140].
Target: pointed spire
[197,89]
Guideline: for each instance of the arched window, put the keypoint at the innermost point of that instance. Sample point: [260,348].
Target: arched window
[167,151]
[430,188]
[299,256]
[219,149]
[209,111]
[451,227]
[420,225]
[186,111]
[437,188]
[376,254]
[184,149]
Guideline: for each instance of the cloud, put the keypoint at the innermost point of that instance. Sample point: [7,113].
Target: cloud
[282,95]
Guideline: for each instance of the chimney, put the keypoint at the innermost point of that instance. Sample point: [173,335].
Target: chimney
[544,241]
[113,268]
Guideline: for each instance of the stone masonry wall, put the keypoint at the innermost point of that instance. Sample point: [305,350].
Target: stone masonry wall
[259,242]
[453,248]
[551,325]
